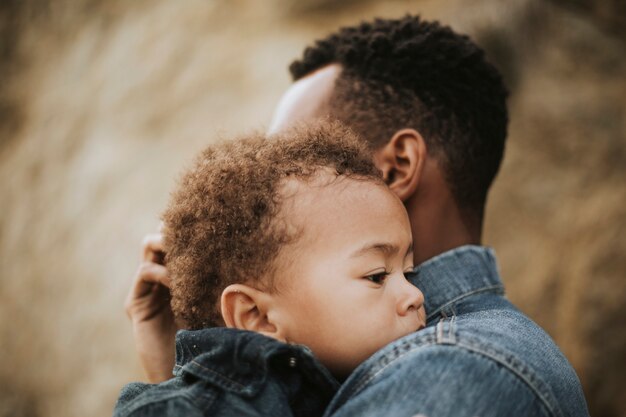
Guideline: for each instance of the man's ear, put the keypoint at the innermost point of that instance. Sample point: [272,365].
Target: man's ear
[402,161]
[245,308]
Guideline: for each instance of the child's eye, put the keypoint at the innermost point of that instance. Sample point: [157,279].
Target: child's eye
[378,278]
[409,272]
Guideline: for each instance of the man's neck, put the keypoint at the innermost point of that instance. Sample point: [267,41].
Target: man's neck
[438,226]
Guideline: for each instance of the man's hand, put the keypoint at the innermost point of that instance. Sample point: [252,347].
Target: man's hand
[148,307]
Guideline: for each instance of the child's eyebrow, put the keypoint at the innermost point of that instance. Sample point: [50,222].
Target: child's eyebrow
[387,249]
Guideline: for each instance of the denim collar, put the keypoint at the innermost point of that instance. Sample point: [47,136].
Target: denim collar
[456,274]
[241,361]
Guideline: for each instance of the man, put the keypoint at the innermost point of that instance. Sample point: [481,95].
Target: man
[434,111]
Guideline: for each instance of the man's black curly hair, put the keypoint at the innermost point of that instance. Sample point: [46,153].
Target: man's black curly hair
[411,73]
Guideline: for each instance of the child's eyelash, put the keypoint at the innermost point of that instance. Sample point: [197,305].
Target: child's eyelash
[378,278]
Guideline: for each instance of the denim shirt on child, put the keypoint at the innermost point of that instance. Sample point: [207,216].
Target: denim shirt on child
[229,372]
[478,356]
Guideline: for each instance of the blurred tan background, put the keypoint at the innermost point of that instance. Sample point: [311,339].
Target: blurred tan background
[102,103]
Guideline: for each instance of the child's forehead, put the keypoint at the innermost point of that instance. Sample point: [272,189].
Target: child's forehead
[296,190]
[321,177]
[316,202]
[331,214]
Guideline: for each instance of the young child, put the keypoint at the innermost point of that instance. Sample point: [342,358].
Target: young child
[287,257]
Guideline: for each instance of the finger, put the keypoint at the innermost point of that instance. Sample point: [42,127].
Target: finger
[152,273]
[150,277]
[153,250]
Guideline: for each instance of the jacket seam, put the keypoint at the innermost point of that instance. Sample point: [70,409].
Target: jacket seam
[470,348]
[153,400]
[239,385]
[514,371]
[464,295]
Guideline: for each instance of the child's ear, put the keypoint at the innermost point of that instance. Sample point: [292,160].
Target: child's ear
[402,161]
[245,308]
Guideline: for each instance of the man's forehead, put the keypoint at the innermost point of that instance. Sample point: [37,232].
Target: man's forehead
[306,99]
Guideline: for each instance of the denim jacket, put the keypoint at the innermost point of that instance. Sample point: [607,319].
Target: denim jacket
[478,356]
[229,372]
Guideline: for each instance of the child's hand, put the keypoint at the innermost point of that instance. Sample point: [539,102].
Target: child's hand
[148,307]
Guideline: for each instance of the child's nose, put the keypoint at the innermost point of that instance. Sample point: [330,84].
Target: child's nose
[411,299]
